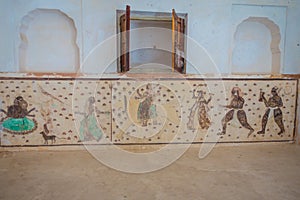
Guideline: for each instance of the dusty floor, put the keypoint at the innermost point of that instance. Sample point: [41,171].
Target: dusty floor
[261,171]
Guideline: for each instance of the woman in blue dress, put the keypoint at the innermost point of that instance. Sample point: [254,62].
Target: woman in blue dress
[89,129]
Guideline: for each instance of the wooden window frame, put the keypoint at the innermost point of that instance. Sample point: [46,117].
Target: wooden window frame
[179,25]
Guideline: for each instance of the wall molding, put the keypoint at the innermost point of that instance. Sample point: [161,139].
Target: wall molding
[265,2]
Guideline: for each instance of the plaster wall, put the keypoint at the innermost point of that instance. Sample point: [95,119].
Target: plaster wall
[211,24]
[252,51]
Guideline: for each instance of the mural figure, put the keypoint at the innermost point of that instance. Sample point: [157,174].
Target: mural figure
[200,105]
[273,108]
[236,104]
[89,129]
[146,109]
[16,120]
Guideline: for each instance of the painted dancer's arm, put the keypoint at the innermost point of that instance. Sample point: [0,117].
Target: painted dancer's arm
[280,104]
[27,114]
[265,100]
[1,110]
[208,100]
[227,106]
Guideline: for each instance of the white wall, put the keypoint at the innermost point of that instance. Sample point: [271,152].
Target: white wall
[292,41]
[15,11]
[274,13]
[7,41]
[251,52]
[49,40]
[211,24]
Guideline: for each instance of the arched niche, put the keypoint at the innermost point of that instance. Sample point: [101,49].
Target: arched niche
[256,47]
[48,42]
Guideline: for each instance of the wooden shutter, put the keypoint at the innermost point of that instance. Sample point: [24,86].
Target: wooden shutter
[178,40]
[125,37]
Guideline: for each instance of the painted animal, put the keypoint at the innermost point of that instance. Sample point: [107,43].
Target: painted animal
[46,136]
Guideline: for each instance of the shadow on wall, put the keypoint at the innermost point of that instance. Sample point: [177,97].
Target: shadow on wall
[256,47]
[48,42]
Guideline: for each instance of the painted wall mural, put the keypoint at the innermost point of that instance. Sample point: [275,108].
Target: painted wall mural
[38,112]
[201,107]
[144,112]
[273,105]
[61,110]
[16,120]
[236,108]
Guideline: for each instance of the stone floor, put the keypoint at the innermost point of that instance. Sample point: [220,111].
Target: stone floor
[243,171]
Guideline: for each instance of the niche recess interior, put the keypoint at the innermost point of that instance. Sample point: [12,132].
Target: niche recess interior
[48,42]
[151,41]
[256,47]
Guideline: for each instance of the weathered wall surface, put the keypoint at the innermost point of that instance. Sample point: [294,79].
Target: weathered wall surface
[211,24]
[128,111]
